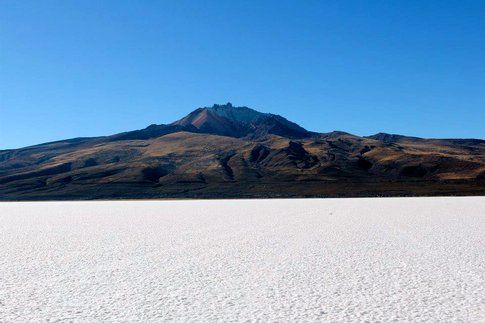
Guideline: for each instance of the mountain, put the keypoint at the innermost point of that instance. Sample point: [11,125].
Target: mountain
[226,120]
[225,151]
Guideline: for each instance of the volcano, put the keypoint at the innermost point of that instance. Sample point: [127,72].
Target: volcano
[223,151]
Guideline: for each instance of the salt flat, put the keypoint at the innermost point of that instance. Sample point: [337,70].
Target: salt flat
[403,259]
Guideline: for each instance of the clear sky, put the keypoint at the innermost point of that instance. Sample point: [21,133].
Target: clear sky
[88,68]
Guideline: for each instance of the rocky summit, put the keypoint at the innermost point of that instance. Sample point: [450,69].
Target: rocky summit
[225,151]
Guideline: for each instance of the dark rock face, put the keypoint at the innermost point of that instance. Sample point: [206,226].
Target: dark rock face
[258,153]
[224,162]
[225,151]
[413,171]
[300,156]
[364,163]
[90,162]
[153,174]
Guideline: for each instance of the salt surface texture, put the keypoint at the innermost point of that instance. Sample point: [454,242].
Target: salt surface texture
[404,259]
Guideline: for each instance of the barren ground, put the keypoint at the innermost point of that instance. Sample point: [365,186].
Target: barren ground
[405,259]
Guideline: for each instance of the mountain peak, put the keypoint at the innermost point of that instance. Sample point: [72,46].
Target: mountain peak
[228,120]
[238,114]
[388,137]
[227,105]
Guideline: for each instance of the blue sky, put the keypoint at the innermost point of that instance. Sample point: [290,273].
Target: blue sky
[87,68]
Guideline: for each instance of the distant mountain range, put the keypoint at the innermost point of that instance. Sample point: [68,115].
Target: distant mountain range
[236,152]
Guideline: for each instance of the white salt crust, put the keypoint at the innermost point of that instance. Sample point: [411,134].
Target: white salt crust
[392,259]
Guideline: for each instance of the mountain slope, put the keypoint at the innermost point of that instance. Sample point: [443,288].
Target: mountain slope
[226,151]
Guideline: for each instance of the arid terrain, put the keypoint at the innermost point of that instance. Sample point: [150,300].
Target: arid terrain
[236,152]
[298,260]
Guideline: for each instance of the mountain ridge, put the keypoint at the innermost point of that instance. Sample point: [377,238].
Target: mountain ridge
[161,129]
[226,151]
